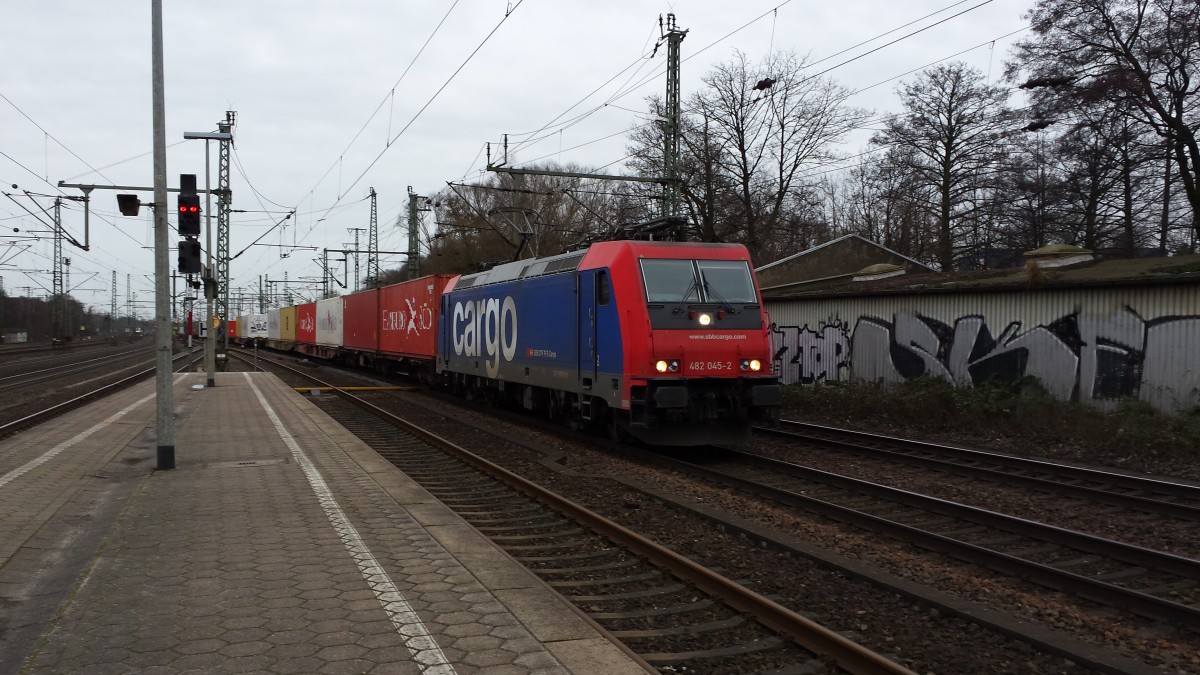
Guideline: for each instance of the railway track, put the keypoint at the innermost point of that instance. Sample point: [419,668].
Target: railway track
[21,349]
[675,613]
[62,406]
[1147,495]
[47,372]
[28,348]
[1149,582]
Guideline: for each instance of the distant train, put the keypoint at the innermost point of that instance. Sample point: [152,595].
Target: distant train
[665,342]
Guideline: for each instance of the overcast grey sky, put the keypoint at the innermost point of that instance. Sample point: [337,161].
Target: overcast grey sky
[318,123]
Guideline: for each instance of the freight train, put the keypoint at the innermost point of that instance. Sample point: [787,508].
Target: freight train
[665,342]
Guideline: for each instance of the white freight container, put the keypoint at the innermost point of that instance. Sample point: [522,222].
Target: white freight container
[253,326]
[329,322]
[273,324]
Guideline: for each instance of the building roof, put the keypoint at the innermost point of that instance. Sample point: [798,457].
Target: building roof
[1138,271]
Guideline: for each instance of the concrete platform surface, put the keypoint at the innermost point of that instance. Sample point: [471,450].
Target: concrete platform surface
[279,544]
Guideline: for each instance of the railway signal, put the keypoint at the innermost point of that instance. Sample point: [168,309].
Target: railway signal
[189,225]
[189,256]
[189,206]
[189,215]
[129,204]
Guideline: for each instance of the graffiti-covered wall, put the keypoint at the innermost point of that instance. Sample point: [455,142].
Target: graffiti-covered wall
[1094,345]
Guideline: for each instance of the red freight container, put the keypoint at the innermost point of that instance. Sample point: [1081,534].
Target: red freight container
[408,315]
[360,321]
[306,323]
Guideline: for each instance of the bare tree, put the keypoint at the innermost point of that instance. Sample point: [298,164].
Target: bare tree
[1142,54]
[772,121]
[951,134]
[748,138]
[1030,195]
[1091,173]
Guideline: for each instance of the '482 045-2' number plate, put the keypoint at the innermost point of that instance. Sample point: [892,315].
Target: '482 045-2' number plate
[719,366]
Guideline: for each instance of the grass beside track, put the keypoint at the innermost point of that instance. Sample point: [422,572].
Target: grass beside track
[1019,414]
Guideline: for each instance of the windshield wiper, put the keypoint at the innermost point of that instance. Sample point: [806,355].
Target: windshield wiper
[709,290]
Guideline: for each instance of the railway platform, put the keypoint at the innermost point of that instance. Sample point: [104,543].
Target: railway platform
[280,543]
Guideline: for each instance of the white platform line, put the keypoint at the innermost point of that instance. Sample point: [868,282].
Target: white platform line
[49,454]
[412,630]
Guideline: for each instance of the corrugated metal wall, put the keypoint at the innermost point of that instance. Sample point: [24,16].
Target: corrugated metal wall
[1094,345]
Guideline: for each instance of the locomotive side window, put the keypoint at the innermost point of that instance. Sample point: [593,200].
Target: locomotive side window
[602,292]
[670,281]
[727,281]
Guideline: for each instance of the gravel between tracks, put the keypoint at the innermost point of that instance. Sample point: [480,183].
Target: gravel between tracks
[911,632]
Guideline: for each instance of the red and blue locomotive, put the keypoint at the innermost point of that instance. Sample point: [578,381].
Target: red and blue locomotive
[662,341]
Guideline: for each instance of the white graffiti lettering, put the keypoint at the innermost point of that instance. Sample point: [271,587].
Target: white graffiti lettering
[819,356]
[1089,357]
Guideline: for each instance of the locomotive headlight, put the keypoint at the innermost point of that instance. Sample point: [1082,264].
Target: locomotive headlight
[705,319]
[755,365]
[661,366]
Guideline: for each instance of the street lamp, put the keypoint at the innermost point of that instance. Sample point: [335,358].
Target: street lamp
[210,344]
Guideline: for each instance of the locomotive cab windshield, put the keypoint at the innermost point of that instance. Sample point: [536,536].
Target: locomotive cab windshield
[676,287]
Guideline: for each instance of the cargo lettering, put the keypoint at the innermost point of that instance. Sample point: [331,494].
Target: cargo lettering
[486,326]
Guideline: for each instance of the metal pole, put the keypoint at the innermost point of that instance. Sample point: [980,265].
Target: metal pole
[164,396]
[414,253]
[223,208]
[671,189]
[210,342]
